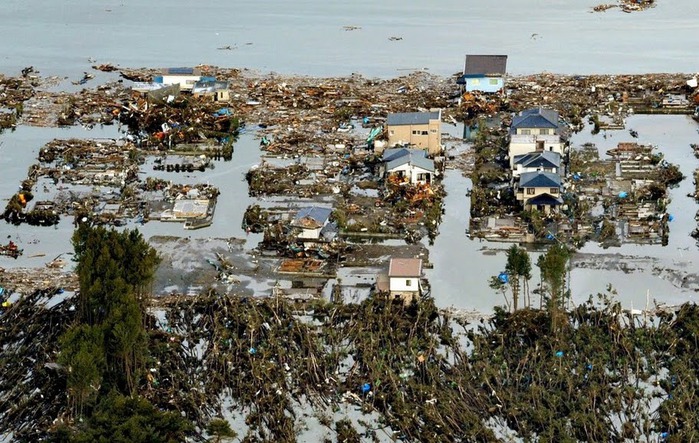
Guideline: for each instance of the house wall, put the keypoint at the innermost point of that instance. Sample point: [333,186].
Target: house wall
[523,193]
[484,84]
[525,148]
[310,234]
[412,172]
[186,82]
[404,284]
[535,131]
[521,170]
[427,136]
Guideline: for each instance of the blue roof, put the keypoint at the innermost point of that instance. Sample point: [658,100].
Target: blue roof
[536,118]
[412,118]
[539,179]
[320,215]
[544,159]
[179,71]
[544,199]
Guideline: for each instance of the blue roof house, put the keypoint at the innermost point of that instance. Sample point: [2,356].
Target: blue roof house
[539,190]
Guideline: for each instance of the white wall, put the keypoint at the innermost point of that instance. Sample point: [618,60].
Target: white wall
[399,284]
[186,82]
[409,171]
[313,234]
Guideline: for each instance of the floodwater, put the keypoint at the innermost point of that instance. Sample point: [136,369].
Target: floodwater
[309,36]
[639,275]
[65,38]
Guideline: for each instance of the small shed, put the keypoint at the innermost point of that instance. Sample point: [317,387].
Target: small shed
[404,276]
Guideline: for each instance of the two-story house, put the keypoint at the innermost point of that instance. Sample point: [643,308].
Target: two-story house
[535,130]
[420,129]
[539,190]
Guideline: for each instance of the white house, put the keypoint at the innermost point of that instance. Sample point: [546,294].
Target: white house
[525,144]
[404,277]
[535,130]
[312,222]
[409,164]
[185,77]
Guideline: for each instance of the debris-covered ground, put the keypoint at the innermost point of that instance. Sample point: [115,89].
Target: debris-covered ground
[281,366]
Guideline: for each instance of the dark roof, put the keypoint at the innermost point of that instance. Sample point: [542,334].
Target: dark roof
[545,159]
[181,71]
[539,179]
[536,118]
[544,199]
[485,64]
[405,267]
[314,214]
[412,118]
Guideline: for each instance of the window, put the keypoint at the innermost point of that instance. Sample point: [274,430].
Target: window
[393,132]
[544,131]
[416,132]
[493,82]
[526,131]
[475,81]
[530,191]
[408,282]
[553,191]
[434,131]
[425,133]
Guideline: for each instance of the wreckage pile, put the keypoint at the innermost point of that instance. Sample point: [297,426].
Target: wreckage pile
[268,360]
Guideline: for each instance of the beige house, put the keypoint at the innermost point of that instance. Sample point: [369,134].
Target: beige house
[539,190]
[216,90]
[419,129]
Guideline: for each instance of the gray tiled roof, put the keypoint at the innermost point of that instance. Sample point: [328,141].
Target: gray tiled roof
[418,160]
[394,153]
[536,118]
[320,215]
[546,159]
[412,118]
[485,64]
[539,179]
